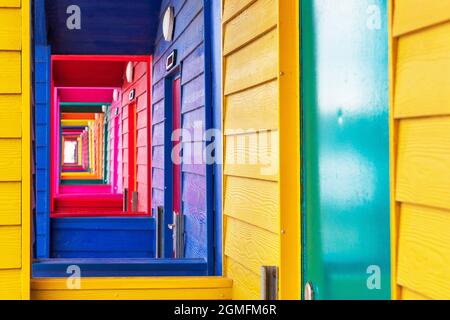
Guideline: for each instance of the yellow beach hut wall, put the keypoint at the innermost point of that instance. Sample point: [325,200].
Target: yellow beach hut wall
[420,154]
[14,149]
[261,188]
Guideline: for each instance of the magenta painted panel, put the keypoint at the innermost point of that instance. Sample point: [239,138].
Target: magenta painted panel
[81,94]
[94,189]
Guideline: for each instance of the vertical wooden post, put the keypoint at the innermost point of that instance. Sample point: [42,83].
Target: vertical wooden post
[125,199]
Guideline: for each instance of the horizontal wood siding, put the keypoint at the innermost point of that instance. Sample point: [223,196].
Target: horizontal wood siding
[137,288]
[189,43]
[421,141]
[132,237]
[139,83]
[251,187]
[14,105]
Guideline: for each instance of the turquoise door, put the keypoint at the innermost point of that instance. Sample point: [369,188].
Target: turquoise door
[345,149]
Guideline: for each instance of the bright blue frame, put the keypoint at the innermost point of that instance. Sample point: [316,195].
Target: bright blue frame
[42,54]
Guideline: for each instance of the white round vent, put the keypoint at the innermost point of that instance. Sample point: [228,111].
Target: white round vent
[168,23]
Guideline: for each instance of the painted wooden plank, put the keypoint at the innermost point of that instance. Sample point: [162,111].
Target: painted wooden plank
[10,160]
[10,77]
[141,159]
[119,267]
[137,283]
[412,15]
[252,65]
[10,4]
[158,179]
[10,124]
[158,91]
[253,247]
[141,138]
[246,284]
[199,169]
[408,294]
[140,87]
[10,284]
[193,153]
[142,101]
[241,108]
[194,190]
[184,17]
[256,20]
[193,64]
[10,203]
[157,198]
[10,103]
[10,247]
[158,112]
[252,155]
[254,201]
[158,135]
[132,294]
[10,29]
[424,251]
[290,149]
[423,73]
[193,95]
[423,173]
[233,8]
[186,43]
[96,35]
[194,125]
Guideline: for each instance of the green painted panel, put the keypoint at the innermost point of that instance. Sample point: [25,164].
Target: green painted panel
[345,148]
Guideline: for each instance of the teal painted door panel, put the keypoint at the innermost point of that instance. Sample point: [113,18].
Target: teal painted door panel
[345,148]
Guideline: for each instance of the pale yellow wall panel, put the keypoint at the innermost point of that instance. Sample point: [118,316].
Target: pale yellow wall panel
[251,23]
[423,162]
[10,159]
[10,124]
[411,15]
[10,247]
[408,294]
[252,65]
[10,4]
[252,155]
[253,247]
[10,29]
[253,201]
[10,282]
[423,73]
[10,203]
[252,110]
[231,8]
[246,284]
[424,251]
[10,77]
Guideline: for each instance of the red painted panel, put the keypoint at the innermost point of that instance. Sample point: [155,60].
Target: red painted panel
[176,125]
[135,134]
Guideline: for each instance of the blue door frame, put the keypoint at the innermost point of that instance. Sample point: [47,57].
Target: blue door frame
[212,67]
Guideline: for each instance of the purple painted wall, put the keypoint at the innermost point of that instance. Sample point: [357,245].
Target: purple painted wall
[189,43]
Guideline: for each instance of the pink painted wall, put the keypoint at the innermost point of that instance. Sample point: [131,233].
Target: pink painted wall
[139,83]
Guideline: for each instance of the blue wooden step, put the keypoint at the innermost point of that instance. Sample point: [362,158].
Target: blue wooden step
[58,268]
[103,237]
